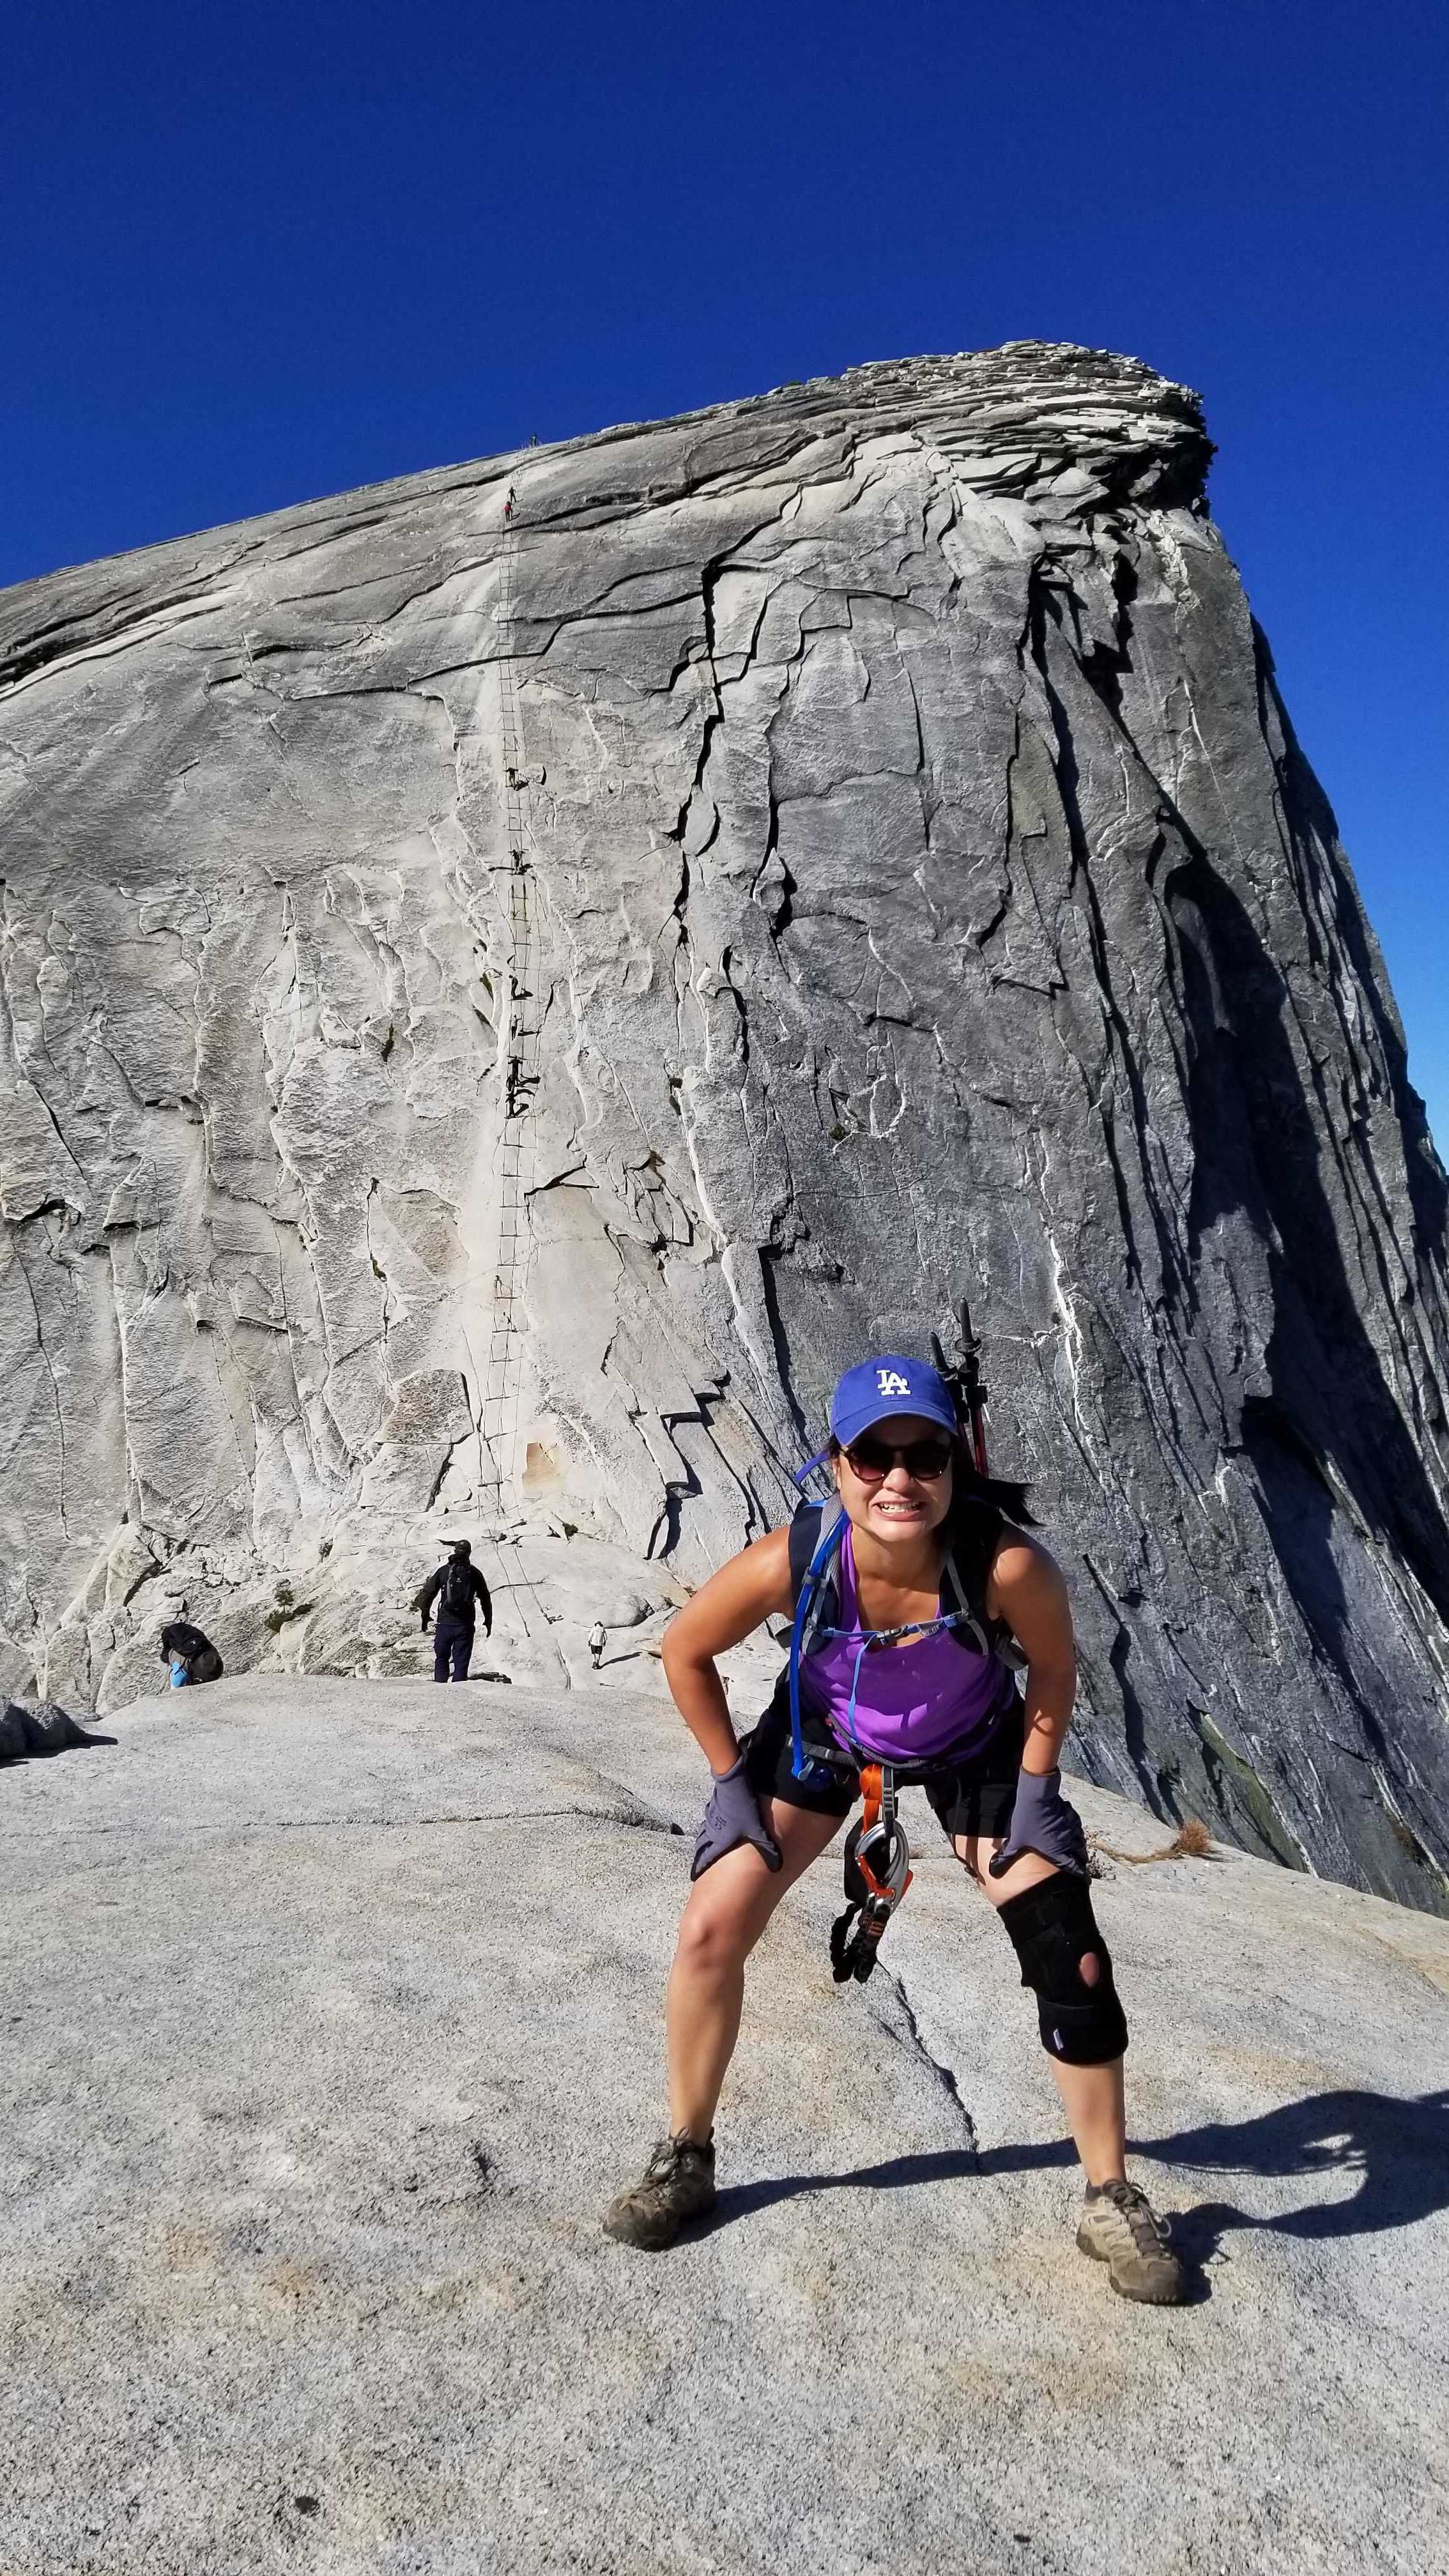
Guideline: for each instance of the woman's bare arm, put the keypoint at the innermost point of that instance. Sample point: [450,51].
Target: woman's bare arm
[753,1587]
[1027,1590]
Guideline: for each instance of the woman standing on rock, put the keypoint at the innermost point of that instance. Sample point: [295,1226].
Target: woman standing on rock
[897,1676]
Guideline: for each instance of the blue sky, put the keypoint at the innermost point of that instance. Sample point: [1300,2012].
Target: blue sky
[256,254]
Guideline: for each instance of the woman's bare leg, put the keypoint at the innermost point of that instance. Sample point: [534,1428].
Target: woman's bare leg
[727,1911]
[1092,2096]
[1096,2107]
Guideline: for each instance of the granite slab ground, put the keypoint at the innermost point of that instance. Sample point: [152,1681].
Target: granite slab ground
[331,2019]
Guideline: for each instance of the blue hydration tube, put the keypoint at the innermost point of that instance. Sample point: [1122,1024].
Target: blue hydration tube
[863,1639]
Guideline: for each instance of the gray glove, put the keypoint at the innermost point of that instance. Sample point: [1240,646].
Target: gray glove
[1042,1821]
[732,1817]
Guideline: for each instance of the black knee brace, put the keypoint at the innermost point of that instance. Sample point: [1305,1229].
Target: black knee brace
[1052,1929]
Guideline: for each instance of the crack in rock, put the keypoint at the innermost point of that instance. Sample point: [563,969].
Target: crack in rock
[944,2075]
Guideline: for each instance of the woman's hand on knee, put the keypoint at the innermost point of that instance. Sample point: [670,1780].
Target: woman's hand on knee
[1042,1822]
[733,1817]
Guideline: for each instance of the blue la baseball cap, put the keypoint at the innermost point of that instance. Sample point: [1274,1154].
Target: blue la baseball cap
[890,1384]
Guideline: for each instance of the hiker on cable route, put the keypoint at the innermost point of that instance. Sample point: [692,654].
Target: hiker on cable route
[460,1592]
[933,1576]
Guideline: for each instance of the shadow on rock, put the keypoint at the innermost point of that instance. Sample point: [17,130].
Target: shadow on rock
[1398,2150]
[895,2173]
[26,1733]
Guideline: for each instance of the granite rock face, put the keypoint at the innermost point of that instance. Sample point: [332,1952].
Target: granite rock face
[512,978]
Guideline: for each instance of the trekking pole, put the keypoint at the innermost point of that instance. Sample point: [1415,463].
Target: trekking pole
[967,1385]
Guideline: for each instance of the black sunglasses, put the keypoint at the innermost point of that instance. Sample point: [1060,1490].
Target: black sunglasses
[925,1460]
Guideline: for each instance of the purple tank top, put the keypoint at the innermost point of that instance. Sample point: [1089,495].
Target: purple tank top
[912,1702]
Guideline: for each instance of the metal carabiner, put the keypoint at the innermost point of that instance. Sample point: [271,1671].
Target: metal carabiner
[877,1874]
[883,1853]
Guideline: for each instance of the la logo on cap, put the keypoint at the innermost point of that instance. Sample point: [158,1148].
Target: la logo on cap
[891,1382]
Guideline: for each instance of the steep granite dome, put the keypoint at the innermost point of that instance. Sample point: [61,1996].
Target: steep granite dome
[505,995]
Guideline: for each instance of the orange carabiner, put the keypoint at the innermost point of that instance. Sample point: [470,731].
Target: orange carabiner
[870,1785]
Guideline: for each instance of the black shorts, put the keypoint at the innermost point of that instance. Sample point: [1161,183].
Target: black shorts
[972,1797]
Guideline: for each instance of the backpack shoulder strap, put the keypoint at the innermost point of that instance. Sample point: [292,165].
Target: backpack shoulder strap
[804,1531]
[968,1566]
[815,1535]
[964,1579]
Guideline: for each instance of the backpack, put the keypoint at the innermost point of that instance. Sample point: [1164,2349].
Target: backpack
[458,1589]
[816,1532]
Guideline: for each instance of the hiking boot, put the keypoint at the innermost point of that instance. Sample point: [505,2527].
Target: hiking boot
[678,2185]
[1120,2227]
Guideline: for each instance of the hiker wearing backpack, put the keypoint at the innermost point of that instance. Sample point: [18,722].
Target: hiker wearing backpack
[460,1592]
[190,1654]
[913,1594]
